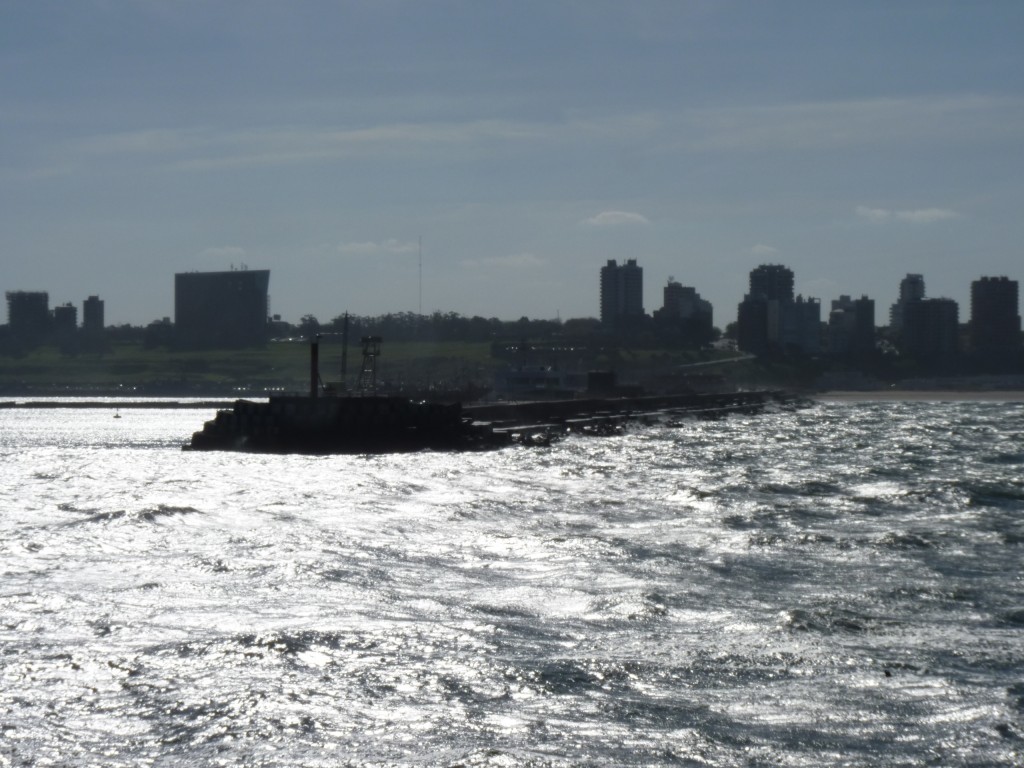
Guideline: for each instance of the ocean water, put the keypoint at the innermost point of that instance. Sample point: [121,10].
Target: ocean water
[837,585]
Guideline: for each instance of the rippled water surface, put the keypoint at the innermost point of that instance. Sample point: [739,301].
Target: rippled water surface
[840,585]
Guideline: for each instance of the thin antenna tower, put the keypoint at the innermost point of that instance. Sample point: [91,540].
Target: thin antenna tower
[421,274]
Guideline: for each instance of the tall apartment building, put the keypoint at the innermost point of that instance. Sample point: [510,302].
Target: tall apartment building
[851,328]
[92,317]
[995,321]
[911,289]
[221,309]
[682,302]
[622,293]
[685,315]
[931,330]
[772,282]
[65,319]
[28,315]
[771,321]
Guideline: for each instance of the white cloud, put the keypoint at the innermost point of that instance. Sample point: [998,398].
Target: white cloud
[513,261]
[805,126]
[385,247]
[875,214]
[800,126]
[763,250]
[615,219]
[914,216]
[141,142]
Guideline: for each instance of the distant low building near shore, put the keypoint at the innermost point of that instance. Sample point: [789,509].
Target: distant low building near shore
[221,310]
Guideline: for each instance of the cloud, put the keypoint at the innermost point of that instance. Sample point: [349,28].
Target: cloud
[763,250]
[804,126]
[914,216]
[800,126]
[615,219]
[513,261]
[875,214]
[385,247]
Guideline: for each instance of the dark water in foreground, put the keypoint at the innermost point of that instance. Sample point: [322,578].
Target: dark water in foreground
[836,586]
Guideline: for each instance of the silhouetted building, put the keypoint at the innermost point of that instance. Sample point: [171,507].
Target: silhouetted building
[772,281]
[28,315]
[622,293]
[851,328]
[681,301]
[221,309]
[995,323]
[685,315]
[931,331]
[65,319]
[770,321]
[92,316]
[911,289]
[796,325]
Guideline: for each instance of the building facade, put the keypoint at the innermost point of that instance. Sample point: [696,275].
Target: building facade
[28,315]
[931,331]
[65,319]
[682,302]
[225,310]
[995,322]
[93,317]
[684,316]
[851,328]
[770,321]
[772,282]
[622,293]
[911,290]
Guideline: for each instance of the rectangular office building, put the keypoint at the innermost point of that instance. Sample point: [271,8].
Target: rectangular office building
[221,310]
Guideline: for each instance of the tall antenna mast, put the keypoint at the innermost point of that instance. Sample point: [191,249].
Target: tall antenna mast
[421,274]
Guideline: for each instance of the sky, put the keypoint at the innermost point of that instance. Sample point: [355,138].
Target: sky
[488,158]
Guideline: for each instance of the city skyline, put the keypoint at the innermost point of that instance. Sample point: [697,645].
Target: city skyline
[765,281]
[526,145]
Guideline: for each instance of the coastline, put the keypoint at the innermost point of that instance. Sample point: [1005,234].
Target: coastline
[921,395]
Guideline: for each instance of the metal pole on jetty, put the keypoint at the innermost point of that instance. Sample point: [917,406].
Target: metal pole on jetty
[314,366]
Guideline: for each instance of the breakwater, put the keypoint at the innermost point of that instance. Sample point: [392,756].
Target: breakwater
[117,404]
[385,424]
[562,415]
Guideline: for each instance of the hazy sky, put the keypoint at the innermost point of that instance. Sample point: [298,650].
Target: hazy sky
[525,142]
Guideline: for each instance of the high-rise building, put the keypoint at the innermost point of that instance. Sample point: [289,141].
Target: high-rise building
[682,302]
[65,319]
[28,315]
[851,328]
[622,293]
[931,330]
[772,282]
[221,309]
[92,317]
[771,321]
[995,322]
[911,289]
[684,315]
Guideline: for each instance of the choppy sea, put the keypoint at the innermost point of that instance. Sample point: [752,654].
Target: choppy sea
[837,585]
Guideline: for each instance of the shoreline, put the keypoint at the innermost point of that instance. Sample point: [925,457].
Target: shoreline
[921,395]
